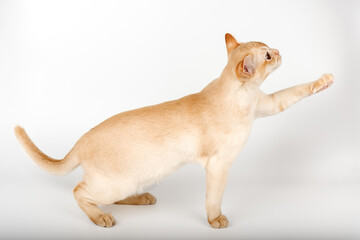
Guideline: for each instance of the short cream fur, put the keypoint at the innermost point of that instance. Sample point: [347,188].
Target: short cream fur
[137,148]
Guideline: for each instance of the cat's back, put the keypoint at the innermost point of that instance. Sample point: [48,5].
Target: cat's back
[168,114]
[157,122]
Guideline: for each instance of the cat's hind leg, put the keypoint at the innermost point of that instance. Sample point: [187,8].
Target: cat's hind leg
[139,199]
[88,204]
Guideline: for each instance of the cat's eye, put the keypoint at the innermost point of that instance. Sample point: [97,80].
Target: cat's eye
[267,56]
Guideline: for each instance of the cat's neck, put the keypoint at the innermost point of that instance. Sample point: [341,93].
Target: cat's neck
[228,85]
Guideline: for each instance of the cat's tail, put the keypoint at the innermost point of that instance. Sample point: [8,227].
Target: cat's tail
[54,166]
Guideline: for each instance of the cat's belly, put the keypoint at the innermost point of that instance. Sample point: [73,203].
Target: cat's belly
[158,172]
[142,162]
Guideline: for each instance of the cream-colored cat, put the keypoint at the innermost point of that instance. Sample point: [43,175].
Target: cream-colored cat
[134,149]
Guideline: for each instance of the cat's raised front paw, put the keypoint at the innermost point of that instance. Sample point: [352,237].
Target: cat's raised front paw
[219,222]
[324,82]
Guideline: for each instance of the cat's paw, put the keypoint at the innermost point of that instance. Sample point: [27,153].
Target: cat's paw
[104,220]
[147,199]
[323,83]
[140,199]
[219,222]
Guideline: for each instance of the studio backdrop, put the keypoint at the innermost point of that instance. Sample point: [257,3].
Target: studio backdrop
[65,66]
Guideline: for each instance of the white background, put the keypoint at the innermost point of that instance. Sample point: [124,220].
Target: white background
[65,66]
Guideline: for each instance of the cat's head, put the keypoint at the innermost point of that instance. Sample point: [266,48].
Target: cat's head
[251,61]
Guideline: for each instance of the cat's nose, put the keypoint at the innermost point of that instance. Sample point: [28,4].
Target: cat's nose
[276,51]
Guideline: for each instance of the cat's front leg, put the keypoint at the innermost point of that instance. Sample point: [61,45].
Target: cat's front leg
[216,178]
[277,102]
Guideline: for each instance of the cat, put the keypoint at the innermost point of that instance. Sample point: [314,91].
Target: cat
[137,148]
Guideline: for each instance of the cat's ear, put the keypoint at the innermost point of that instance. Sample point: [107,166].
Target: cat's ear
[231,43]
[247,67]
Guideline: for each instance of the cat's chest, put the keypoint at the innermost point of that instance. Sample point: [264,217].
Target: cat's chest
[241,109]
[228,142]
[237,123]
[246,100]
